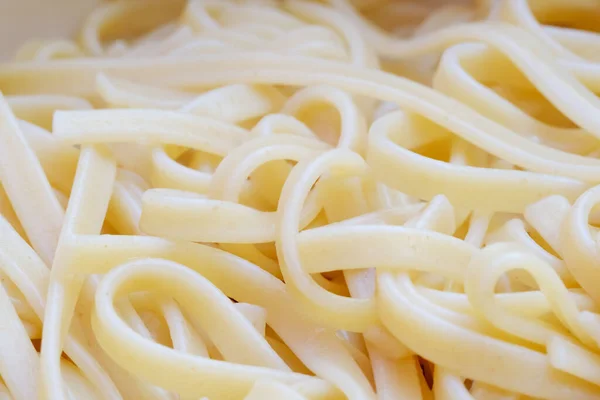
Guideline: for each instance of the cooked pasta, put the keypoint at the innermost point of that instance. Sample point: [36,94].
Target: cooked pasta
[304,200]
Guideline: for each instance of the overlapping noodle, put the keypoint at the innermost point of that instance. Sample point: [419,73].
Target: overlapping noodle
[263,199]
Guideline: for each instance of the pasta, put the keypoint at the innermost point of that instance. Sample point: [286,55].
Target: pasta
[304,200]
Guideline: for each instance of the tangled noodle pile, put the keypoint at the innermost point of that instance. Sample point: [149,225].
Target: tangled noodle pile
[304,200]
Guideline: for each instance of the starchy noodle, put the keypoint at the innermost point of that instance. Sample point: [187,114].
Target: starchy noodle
[304,200]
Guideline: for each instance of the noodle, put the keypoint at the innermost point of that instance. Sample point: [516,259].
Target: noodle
[304,200]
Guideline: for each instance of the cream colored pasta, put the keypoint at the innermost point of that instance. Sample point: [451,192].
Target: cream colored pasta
[306,200]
